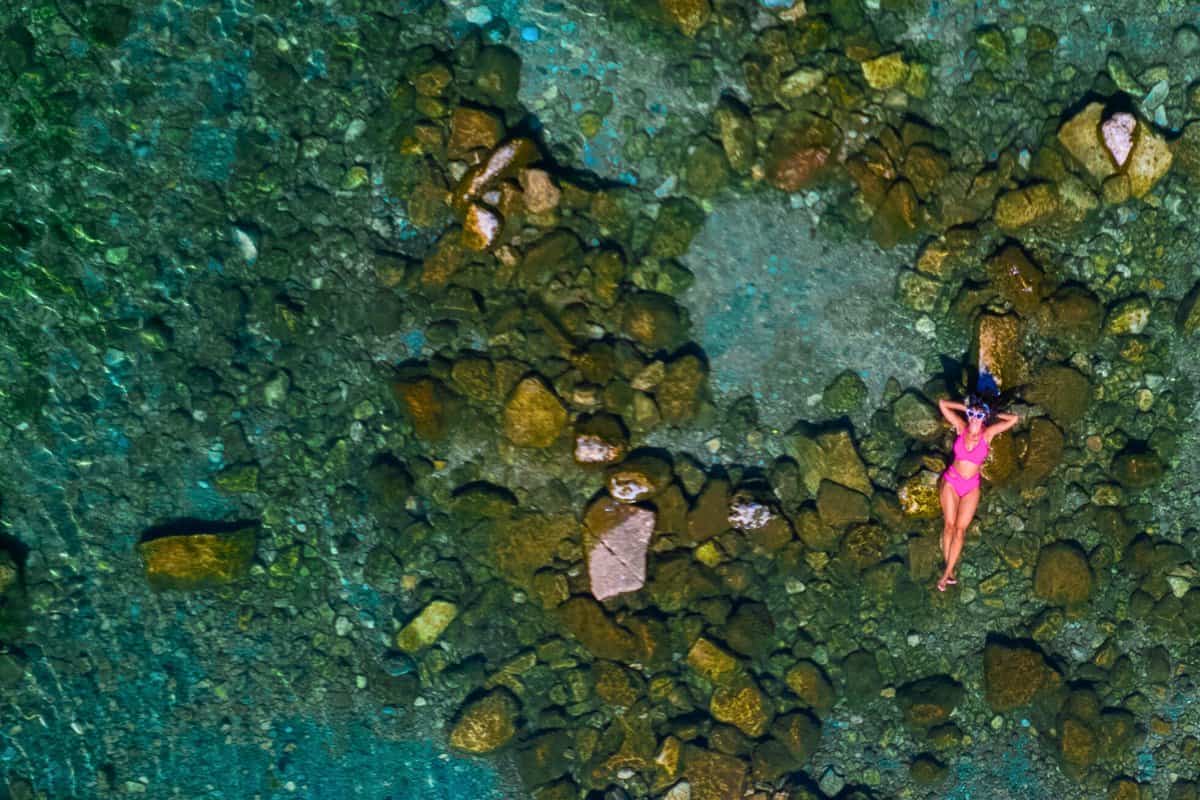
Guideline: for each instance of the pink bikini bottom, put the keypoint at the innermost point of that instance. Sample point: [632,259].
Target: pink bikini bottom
[961,485]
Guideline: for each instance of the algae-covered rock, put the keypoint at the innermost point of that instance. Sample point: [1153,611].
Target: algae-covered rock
[1187,318]
[1017,279]
[897,219]
[423,402]
[587,621]
[999,338]
[689,16]
[736,129]
[1062,575]
[926,770]
[1073,316]
[845,393]
[1130,316]
[809,682]
[533,415]
[864,546]
[706,170]
[929,701]
[652,320]
[916,417]
[1137,469]
[486,724]
[842,463]
[678,581]
[1077,746]
[497,75]
[920,495]
[197,560]
[522,545]
[713,775]
[800,150]
[800,733]
[679,220]
[743,704]
[681,390]
[425,628]
[839,506]
[1031,205]
[1013,675]
[715,664]
[1064,392]
[886,71]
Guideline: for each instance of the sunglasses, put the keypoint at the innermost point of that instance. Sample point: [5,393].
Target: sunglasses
[976,413]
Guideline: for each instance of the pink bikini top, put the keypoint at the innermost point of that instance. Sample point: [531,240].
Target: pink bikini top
[976,455]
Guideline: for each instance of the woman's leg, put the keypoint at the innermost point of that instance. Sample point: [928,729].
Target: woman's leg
[949,515]
[966,511]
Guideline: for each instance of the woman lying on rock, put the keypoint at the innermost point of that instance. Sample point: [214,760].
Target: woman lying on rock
[960,482]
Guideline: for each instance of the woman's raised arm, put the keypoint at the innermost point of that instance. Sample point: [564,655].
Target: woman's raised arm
[948,408]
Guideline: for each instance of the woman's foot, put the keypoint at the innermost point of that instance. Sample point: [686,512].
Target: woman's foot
[941,584]
[951,581]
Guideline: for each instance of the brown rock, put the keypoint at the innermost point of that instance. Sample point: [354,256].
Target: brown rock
[486,724]
[481,227]
[897,218]
[1073,316]
[809,683]
[1148,161]
[540,194]
[640,477]
[1021,208]
[689,16]
[557,251]
[1062,575]
[525,544]
[1080,135]
[472,128]
[839,506]
[800,151]
[1064,392]
[929,701]
[1077,745]
[446,259]
[423,402]
[800,733]
[1000,348]
[710,514]
[586,621]
[652,320]
[198,560]
[1042,451]
[713,775]
[920,495]
[1013,675]
[533,415]
[715,664]
[864,546]
[742,703]
[679,394]
[1017,279]
[842,463]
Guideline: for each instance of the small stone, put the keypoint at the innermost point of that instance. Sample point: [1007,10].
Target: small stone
[1117,132]
[801,82]
[427,626]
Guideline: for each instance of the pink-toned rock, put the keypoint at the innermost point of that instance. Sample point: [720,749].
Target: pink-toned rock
[618,535]
[1118,135]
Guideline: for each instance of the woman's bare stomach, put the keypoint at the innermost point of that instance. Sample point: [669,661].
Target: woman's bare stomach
[968,471]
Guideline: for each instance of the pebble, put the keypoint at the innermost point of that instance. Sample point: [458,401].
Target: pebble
[342,626]
[479,15]
[831,782]
[913,640]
